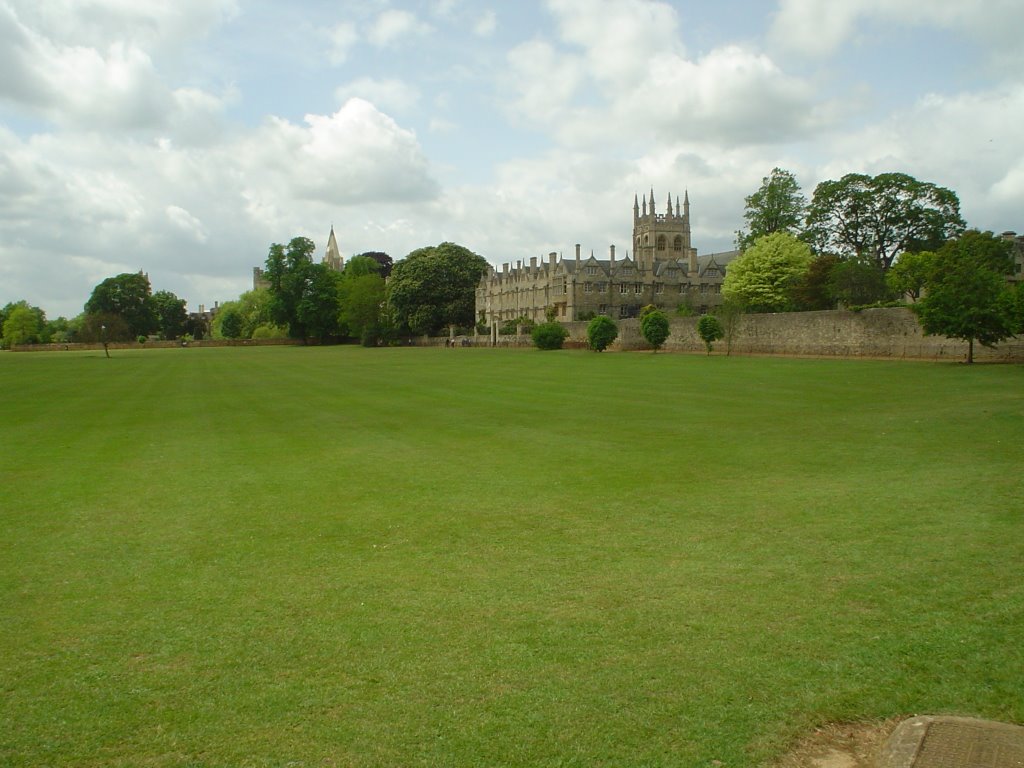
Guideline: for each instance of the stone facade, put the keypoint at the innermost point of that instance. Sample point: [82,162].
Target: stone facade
[665,271]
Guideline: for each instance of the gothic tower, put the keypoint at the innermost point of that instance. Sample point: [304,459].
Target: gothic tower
[662,236]
[333,258]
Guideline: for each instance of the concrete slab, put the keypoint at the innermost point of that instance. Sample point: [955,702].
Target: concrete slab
[954,742]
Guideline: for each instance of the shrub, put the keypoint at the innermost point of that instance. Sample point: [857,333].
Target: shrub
[142,339]
[601,332]
[654,327]
[549,336]
[710,330]
[512,326]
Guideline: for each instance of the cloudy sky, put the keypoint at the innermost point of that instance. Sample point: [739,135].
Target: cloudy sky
[183,138]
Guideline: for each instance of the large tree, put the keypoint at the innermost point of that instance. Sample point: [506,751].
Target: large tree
[303,295]
[967,295]
[362,301]
[778,206]
[22,324]
[880,217]
[908,276]
[129,297]
[856,282]
[762,279]
[384,261]
[171,314]
[436,286]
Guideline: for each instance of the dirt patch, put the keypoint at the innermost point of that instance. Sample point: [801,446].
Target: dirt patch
[840,745]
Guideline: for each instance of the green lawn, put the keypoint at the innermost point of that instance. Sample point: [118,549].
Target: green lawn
[402,557]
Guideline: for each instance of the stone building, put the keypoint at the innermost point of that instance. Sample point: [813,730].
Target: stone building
[665,271]
[332,258]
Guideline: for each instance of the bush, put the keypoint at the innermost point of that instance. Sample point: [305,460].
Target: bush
[710,330]
[549,336]
[142,339]
[654,327]
[601,332]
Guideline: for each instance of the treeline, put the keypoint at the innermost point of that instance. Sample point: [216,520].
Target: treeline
[121,308]
[874,241]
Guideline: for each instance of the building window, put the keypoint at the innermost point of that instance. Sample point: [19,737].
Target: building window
[588,287]
[677,244]
[623,287]
[703,288]
[602,309]
[659,288]
[661,242]
[602,287]
[638,288]
[591,270]
[673,274]
[627,271]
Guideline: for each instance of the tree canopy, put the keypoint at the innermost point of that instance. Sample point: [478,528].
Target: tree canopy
[655,328]
[362,299]
[436,286]
[778,206]
[763,277]
[171,314]
[383,261]
[303,295]
[127,296]
[601,332]
[967,295]
[22,324]
[880,217]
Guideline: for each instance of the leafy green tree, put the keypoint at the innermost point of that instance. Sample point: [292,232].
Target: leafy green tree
[908,276]
[171,314]
[879,217]
[710,330]
[362,303]
[549,335]
[23,325]
[762,278]
[601,332]
[856,282]
[130,297]
[358,266]
[967,296]
[384,262]
[812,292]
[778,206]
[435,287]
[230,322]
[655,329]
[303,295]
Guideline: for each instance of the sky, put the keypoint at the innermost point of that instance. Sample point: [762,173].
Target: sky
[184,138]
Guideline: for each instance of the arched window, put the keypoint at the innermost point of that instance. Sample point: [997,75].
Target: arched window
[661,242]
[677,244]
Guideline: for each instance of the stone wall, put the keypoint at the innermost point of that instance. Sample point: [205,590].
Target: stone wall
[885,333]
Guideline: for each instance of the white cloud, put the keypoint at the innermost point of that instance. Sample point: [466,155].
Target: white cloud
[393,25]
[186,222]
[341,39]
[821,27]
[390,94]
[486,24]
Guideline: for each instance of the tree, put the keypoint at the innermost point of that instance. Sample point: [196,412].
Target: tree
[23,325]
[856,282]
[303,295]
[729,313]
[129,297]
[171,314]
[879,217]
[550,335]
[967,296]
[908,276]
[383,261]
[762,278]
[654,327]
[229,321]
[601,332]
[435,287]
[362,301]
[778,206]
[709,330]
[812,291]
[358,266]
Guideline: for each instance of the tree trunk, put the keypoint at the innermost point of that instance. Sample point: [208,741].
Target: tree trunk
[970,351]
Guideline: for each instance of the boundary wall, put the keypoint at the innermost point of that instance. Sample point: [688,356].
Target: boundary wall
[891,332]
[75,347]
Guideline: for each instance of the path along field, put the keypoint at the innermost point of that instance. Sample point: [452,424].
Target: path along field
[401,557]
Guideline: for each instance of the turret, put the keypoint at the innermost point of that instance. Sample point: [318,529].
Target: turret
[636,208]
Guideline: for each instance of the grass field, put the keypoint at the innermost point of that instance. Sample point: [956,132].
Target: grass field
[433,557]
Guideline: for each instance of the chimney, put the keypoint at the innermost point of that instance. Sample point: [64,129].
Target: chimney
[551,258]
[533,265]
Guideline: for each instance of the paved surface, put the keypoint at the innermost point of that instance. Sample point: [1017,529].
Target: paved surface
[954,742]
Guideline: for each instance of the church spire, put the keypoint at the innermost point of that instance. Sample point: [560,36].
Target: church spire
[333,257]
[677,206]
[636,207]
